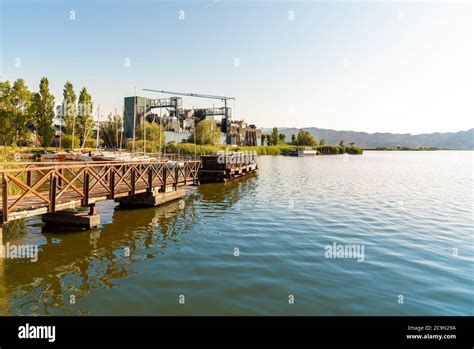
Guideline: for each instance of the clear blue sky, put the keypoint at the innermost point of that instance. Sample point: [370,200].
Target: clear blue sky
[365,66]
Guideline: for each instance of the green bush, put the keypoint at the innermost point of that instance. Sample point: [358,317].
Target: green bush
[354,150]
[90,143]
[66,142]
[151,147]
[339,149]
[328,149]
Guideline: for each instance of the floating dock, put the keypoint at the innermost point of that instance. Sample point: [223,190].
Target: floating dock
[221,167]
[306,151]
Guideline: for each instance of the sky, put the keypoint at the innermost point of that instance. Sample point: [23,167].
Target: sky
[374,66]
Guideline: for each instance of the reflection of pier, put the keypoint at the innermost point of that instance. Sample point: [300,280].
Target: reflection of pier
[48,188]
[78,264]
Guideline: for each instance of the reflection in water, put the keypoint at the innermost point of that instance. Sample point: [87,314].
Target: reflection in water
[222,196]
[74,263]
[3,291]
[8,232]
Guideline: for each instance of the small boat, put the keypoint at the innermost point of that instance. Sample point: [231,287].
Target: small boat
[84,157]
[61,156]
[102,158]
[306,151]
[53,156]
[110,156]
[142,158]
[48,156]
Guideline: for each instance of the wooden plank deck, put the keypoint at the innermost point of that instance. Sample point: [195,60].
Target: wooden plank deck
[46,189]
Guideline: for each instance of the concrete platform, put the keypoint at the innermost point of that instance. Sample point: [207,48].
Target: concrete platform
[70,218]
[151,199]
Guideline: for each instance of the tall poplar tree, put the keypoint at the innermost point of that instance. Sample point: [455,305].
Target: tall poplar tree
[6,114]
[20,99]
[69,107]
[84,122]
[42,111]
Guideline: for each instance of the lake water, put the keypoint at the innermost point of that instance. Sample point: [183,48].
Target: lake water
[253,246]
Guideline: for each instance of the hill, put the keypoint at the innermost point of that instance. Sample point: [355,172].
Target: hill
[463,140]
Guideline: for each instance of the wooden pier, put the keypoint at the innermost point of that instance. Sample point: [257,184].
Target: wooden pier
[45,188]
[223,166]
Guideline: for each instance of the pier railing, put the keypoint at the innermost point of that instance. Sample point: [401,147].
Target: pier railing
[38,188]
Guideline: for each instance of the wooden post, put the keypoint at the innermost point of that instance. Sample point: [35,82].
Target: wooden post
[150,178]
[52,193]
[4,198]
[85,188]
[28,178]
[132,180]
[176,176]
[60,180]
[195,171]
[164,169]
[112,183]
[92,210]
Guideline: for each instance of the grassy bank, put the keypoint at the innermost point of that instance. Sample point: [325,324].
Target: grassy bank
[7,154]
[261,150]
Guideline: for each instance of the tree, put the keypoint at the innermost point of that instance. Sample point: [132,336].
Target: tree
[207,132]
[352,144]
[84,122]
[111,131]
[6,114]
[322,142]
[67,141]
[263,138]
[42,111]
[154,132]
[342,143]
[20,98]
[275,138]
[293,139]
[269,139]
[305,138]
[281,138]
[69,110]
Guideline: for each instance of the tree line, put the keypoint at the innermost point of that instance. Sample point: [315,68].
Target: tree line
[26,117]
[303,138]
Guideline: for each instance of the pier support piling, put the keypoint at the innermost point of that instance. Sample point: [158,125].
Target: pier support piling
[153,198]
[82,219]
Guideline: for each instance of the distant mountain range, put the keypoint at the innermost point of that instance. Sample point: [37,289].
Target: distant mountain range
[451,140]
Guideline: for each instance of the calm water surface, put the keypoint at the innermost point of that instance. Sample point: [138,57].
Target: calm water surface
[412,211]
